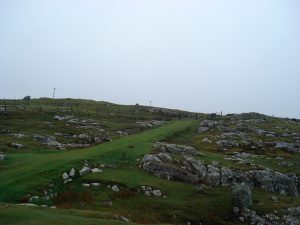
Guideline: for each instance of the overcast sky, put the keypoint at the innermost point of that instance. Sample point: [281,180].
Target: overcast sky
[205,56]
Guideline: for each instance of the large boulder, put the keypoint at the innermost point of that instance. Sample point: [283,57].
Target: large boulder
[195,166]
[242,196]
[272,181]
[286,146]
[155,166]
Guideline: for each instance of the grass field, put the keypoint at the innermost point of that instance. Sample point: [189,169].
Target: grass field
[24,173]
[32,170]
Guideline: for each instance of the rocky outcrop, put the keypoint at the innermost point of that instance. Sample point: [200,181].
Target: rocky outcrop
[205,125]
[193,170]
[195,166]
[154,165]
[175,149]
[290,216]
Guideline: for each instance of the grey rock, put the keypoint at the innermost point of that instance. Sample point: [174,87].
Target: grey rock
[155,166]
[274,199]
[213,176]
[195,166]
[115,188]
[227,177]
[272,181]
[84,170]
[157,193]
[227,143]
[206,140]
[96,170]
[175,149]
[286,146]
[65,176]
[165,157]
[242,196]
[208,123]
[2,156]
[84,136]
[202,129]
[72,172]
[17,146]
[18,135]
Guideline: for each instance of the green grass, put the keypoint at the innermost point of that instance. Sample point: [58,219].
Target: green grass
[23,172]
[19,215]
[31,171]
[27,172]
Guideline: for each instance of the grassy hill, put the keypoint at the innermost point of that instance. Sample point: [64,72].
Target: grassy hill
[37,168]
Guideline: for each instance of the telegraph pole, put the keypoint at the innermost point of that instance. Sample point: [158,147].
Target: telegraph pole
[54,92]
[150,103]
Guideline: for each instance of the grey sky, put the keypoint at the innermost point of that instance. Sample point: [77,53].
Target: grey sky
[207,56]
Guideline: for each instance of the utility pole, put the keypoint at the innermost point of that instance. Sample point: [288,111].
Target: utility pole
[54,92]
[4,105]
[150,103]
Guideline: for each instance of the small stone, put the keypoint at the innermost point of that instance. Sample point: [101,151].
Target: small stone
[115,188]
[2,156]
[148,193]
[17,146]
[72,172]
[65,176]
[274,199]
[96,170]
[84,170]
[206,140]
[242,219]
[156,193]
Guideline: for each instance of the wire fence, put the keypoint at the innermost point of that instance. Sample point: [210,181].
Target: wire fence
[10,108]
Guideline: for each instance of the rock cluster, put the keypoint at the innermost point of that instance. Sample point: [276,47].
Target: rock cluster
[193,170]
[149,124]
[85,139]
[67,177]
[149,191]
[238,132]
[205,125]
[290,216]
